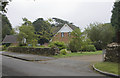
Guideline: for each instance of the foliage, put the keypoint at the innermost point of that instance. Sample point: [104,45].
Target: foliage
[43,30]
[6,26]
[26,22]
[63,51]
[88,48]
[77,40]
[60,45]
[34,42]
[13,31]
[108,67]
[26,32]
[60,22]
[115,19]
[100,34]
[4,47]
[4,4]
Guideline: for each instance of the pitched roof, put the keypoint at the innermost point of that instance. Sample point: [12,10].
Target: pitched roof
[10,39]
[57,28]
[65,28]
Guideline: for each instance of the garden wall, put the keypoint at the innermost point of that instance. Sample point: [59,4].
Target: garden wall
[39,51]
[113,53]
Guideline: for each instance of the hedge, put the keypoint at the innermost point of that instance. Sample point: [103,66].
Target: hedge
[39,51]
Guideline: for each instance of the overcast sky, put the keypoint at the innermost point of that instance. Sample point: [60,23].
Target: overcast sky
[79,12]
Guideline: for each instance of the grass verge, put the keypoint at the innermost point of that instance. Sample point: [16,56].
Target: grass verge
[109,67]
[78,54]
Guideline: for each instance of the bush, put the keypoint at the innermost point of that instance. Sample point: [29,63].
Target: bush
[88,48]
[63,51]
[60,45]
[4,47]
[74,47]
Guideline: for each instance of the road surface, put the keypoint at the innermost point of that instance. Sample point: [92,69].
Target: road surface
[59,67]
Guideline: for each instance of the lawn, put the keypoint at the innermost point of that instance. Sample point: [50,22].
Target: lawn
[78,54]
[108,67]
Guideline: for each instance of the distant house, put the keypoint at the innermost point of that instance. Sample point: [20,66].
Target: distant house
[10,39]
[63,34]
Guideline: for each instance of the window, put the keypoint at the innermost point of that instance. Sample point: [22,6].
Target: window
[62,34]
[69,33]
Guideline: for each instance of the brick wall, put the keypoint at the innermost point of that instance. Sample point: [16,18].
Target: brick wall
[65,39]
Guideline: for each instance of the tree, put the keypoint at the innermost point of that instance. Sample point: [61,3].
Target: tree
[100,34]
[26,22]
[26,31]
[77,40]
[43,30]
[6,26]
[115,19]
[60,22]
[3,4]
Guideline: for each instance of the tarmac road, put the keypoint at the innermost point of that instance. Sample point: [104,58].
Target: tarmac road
[57,67]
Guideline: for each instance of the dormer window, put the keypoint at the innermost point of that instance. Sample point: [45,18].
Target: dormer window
[62,34]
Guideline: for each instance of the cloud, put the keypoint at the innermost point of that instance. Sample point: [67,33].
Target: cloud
[80,12]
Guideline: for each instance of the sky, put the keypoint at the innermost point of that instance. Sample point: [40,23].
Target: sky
[80,12]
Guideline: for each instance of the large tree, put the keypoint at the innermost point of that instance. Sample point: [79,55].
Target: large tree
[43,30]
[115,19]
[100,34]
[6,26]
[26,31]
[60,22]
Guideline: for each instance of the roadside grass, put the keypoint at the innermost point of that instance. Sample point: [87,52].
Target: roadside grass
[77,54]
[109,67]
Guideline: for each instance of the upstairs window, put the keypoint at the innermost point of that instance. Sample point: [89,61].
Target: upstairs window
[62,34]
[69,33]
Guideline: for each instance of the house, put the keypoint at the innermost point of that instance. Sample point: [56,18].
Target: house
[10,39]
[64,34]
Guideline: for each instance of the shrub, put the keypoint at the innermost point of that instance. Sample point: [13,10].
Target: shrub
[74,46]
[60,45]
[4,47]
[88,48]
[63,51]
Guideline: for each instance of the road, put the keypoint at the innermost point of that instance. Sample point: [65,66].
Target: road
[58,67]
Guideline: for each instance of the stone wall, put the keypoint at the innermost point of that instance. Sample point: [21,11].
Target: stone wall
[113,53]
[39,51]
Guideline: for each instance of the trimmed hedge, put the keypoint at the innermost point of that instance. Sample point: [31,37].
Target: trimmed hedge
[39,51]
[112,53]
